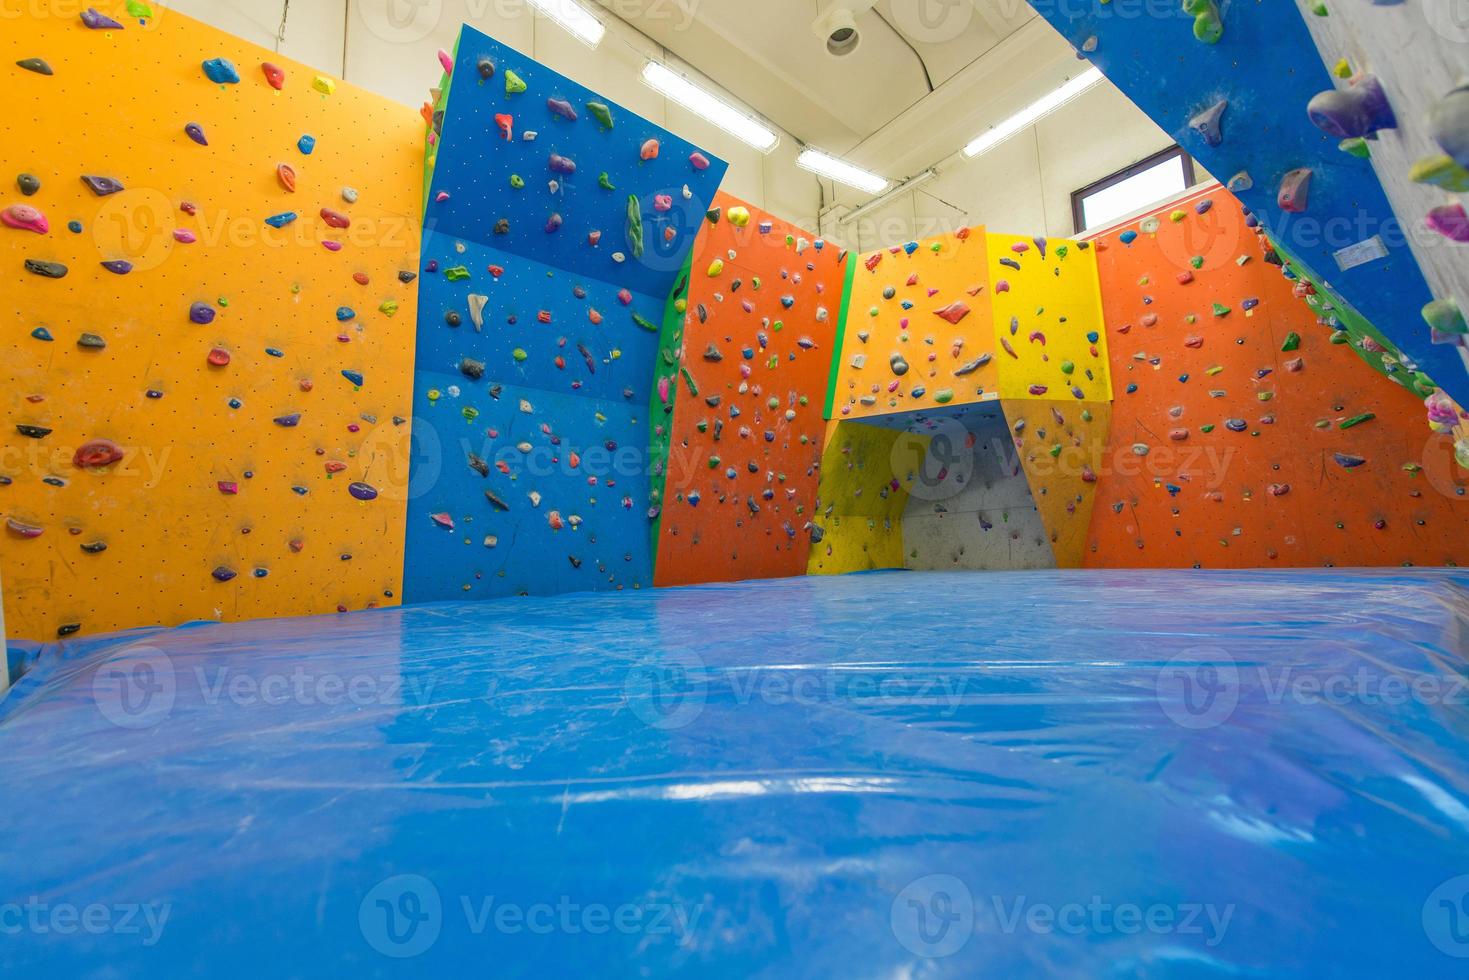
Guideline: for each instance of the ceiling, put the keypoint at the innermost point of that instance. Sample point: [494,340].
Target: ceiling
[918,59]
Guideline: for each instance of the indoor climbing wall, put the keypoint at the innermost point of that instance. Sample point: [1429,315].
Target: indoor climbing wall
[917,330]
[1246,431]
[557,223]
[209,258]
[1404,64]
[1232,83]
[970,505]
[1055,385]
[742,400]
[866,474]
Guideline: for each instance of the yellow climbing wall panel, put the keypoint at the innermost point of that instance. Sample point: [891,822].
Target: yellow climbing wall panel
[1051,342]
[866,474]
[1061,445]
[220,507]
[918,330]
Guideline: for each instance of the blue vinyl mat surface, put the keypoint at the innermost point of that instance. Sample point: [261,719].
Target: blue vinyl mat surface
[1077,774]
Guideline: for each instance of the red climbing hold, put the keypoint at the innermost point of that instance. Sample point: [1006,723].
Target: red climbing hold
[274,74]
[954,312]
[96,454]
[219,357]
[335,219]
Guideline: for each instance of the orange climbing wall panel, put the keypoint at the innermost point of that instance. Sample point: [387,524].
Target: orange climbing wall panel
[741,487]
[203,486]
[1275,492]
[1048,319]
[1061,445]
[945,328]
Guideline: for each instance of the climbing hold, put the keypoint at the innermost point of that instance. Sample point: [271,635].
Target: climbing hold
[635,225]
[953,313]
[699,161]
[323,85]
[1445,317]
[1348,461]
[306,144]
[37,65]
[274,75]
[281,220]
[1209,123]
[514,85]
[96,453]
[99,22]
[1127,237]
[335,219]
[362,491]
[28,184]
[1440,171]
[50,270]
[1295,190]
[353,376]
[506,124]
[562,108]
[486,68]
[738,216]
[287,177]
[102,186]
[1448,125]
[221,71]
[41,333]
[649,150]
[1450,221]
[195,132]
[23,530]
[1208,25]
[288,421]
[219,357]
[119,267]
[32,431]
[26,218]
[1361,110]
[561,165]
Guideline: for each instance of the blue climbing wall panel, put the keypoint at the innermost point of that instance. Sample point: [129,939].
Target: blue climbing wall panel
[538,326]
[1267,67]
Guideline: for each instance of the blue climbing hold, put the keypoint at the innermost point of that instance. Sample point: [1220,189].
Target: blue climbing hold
[1127,237]
[281,220]
[345,313]
[222,70]
[41,333]
[306,144]
[353,376]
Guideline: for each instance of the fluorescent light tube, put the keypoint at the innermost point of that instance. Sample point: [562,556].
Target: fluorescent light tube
[841,171]
[896,192]
[574,18]
[709,107]
[1033,113]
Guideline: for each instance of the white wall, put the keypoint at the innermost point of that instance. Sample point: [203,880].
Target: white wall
[1024,185]
[389,47]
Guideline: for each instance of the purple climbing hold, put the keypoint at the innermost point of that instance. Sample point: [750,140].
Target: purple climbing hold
[562,108]
[1348,461]
[562,165]
[201,313]
[362,491]
[224,573]
[102,186]
[119,267]
[1355,112]
[99,22]
[288,421]
[1450,221]
[1204,206]
[195,132]
[1295,190]
[553,224]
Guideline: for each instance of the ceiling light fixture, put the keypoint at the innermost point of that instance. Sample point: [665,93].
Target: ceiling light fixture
[896,192]
[1033,113]
[709,107]
[574,18]
[826,165]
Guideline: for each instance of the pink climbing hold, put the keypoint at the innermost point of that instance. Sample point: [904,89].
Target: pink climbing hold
[443,520]
[184,236]
[649,150]
[25,218]
[624,297]
[662,202]
[1295,190]
[1450,221]
[441,197]
[699,160]
[22,529]
[446,61]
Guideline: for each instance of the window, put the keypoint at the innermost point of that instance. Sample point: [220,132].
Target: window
[1159,177]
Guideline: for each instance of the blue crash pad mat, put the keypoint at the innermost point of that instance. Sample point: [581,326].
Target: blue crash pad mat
[1079,774]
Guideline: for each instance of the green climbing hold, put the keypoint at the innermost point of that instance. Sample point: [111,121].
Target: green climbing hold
[1441,171]
[514,85]
[1208,25]
[605,182]
[1197,261]
[1356,420]
[1067,367]
[601,113]
[1355,146]
[635,225]
[644,322]
[517,181]
[1221,310]
[1445,316]
[1292,342]
[943,396]
[456,274]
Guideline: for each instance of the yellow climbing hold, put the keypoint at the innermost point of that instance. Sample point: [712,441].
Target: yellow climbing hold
[716,268]
[324,85]
[739,217]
